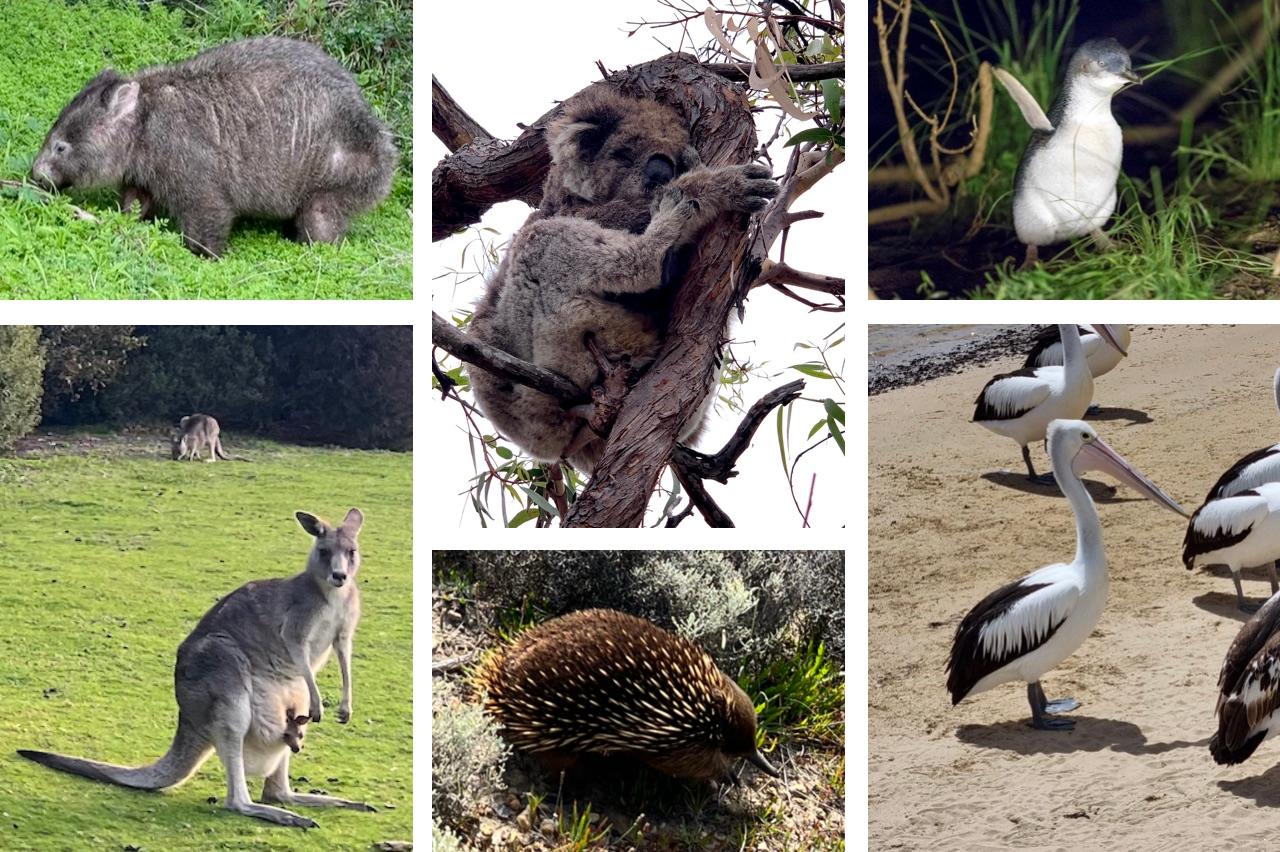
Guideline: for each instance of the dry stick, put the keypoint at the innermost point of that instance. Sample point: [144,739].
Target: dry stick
[46,197]
[780,272]
[738,71]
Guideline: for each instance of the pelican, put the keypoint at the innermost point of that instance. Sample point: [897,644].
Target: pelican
[1250,471]
[1249,688]
[1020,405]
[1237,531]
[1102,358]
[1026,628]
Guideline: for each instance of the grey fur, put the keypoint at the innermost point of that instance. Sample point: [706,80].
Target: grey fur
[249,662]
[622,207]
[268,127]
[195,432]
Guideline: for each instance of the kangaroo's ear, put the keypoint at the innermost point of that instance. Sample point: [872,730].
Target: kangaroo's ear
[353,521]
[312,524]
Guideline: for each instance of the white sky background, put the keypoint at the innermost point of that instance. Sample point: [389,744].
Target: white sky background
[513,71]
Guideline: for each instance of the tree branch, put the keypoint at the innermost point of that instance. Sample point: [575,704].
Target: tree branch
[738,71]
[699,498]
[782,273]
[719,466]
[466,348]
[450,122]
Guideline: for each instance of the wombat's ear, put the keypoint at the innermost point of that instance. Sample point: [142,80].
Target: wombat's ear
[123,102]
[353,521]
[312,524]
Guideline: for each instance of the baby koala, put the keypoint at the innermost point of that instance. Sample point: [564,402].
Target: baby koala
[622,210]
[293,729]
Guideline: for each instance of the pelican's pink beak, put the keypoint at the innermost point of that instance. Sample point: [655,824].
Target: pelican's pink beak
[1108,334]
[1096,455]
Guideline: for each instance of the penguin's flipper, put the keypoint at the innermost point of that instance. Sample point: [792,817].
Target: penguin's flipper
[1026,102]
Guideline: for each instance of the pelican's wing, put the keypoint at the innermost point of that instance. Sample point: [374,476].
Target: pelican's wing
[1008,396]
[1245,711]
[1008,623]
[1222,523]
[1249,471]
[1026,102]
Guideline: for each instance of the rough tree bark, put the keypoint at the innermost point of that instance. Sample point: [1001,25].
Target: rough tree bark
[482,173]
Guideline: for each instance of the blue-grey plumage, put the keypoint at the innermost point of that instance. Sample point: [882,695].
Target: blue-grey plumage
[1065,186]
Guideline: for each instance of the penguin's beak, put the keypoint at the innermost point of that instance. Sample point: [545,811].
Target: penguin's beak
[1132,76]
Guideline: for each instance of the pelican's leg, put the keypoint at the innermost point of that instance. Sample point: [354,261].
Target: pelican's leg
[1240,603]
[1037,478]
[1041,709]
[1271,572]
[1100,240]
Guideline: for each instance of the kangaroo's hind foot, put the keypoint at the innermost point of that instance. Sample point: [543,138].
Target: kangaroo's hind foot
[276,790]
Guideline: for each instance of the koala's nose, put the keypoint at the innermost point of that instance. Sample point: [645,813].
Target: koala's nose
[659,170]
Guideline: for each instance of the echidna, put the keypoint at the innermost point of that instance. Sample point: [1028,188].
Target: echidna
[604,682]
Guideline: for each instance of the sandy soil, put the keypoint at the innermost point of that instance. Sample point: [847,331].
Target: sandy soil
[951,519]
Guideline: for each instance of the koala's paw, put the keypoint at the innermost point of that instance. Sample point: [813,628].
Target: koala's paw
[748,188]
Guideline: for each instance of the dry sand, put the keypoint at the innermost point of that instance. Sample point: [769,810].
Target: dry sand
[951,519]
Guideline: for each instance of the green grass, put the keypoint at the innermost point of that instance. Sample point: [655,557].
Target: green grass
[108,559]
[1162,252]
[52,47]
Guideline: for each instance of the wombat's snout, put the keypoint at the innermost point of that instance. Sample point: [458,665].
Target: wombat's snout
[42,175]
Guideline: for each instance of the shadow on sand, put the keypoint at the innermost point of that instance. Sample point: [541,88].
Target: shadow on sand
[1090,734]
[1264,789]
[1108,413]
[1101,492]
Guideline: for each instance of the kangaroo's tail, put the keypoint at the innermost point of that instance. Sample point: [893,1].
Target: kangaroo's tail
[178,764]
[217,448]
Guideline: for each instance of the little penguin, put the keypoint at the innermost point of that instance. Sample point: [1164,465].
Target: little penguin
[1065,186]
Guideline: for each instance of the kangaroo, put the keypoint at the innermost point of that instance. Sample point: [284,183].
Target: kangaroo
[250,658]
[293,732]
[195,432]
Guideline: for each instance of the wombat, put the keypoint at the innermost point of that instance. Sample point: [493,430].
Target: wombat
[268,127]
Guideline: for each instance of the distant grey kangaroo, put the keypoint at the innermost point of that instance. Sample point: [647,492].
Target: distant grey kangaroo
[250,661]
[195,432]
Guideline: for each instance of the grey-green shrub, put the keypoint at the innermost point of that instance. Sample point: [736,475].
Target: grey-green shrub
[467,755]
[21,382]
[745,607]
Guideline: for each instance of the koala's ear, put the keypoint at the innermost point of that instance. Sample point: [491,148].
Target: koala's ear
[582,136]
[689,159]
[123,102]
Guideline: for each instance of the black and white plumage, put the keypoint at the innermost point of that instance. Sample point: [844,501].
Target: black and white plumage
[1024,629]
[1243,478]
[1237,531]
[1101,356]
[1020,405]
[1248,706]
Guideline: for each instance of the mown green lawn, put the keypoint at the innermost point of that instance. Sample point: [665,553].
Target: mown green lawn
[108,557]
[51,49]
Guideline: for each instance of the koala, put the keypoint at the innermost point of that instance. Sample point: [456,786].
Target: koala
[602,257]
[267,127]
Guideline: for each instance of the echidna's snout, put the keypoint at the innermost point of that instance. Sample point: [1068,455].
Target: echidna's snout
[757,760]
